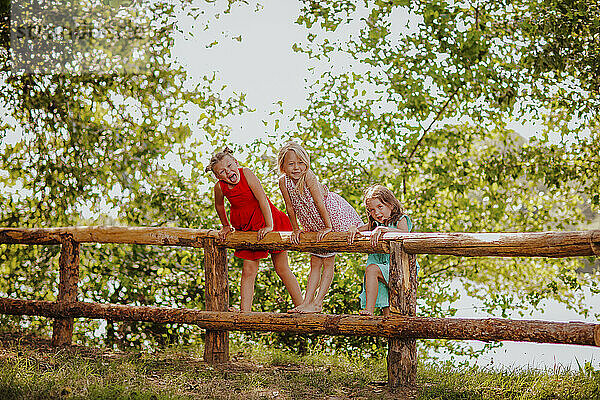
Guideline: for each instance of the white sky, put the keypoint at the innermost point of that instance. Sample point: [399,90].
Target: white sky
[262,64]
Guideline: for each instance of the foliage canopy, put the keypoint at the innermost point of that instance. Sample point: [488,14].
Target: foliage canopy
[424,97]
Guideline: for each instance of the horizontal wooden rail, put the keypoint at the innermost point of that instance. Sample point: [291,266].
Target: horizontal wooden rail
[504,244]
[107,234]
[187,237]
[488,329]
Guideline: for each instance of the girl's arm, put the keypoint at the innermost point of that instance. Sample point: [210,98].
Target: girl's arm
[401,226]
[354,229]
[220,207]
[259,193]
[290,210]
[317,194]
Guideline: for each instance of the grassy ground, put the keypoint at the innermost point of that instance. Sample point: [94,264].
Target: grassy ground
[30,369]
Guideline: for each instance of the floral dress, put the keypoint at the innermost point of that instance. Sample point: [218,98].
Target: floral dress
[342,214]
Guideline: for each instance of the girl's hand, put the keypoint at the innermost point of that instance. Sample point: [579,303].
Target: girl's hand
[321,234]
[352,234]
[225,231]
[263,231]
[376,234]
[295,238]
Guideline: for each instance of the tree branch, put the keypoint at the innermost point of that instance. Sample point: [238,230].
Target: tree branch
[412,153]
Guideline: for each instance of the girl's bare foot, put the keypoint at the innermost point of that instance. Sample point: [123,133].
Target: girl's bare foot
[366,313]
[299,309]
[311,309]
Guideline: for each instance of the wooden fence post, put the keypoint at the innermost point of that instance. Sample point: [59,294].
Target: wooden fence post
[402,353]
[216,292]
[68,263]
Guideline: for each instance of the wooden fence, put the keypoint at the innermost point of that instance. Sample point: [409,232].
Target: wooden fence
[402,327]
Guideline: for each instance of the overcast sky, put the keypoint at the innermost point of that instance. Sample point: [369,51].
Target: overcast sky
[253,55]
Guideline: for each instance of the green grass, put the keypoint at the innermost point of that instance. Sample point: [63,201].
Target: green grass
[30,369]
[476,383]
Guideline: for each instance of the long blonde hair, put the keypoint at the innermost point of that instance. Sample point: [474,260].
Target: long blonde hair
[301,154]
[385,196]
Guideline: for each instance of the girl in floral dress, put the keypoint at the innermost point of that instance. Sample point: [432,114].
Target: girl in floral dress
[318,210]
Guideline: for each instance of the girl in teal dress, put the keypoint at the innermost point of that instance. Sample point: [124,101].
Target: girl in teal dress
[385,215]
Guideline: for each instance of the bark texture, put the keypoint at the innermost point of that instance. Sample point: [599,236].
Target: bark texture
[530,244]
[62,329]
[216,292]
[189,237]
[487,329]
[107,234]
[402,285]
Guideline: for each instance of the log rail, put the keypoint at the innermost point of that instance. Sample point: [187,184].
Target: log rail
[402,327]
[486,329]
[504,244]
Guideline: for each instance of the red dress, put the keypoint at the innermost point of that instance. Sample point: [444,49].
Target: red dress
[245,215]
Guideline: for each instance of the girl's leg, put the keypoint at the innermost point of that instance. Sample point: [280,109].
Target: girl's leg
[372,277]
[282,268]
[249,272]
[326,278]
[316,264]
[385,311]
[311,284]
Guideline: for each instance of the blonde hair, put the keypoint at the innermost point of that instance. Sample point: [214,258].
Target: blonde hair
[385,196]
[218,157]
[301,154]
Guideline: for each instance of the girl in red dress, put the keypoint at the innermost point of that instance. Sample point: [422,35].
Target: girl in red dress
[251,210]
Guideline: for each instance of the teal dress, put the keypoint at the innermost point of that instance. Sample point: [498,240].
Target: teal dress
[382,260]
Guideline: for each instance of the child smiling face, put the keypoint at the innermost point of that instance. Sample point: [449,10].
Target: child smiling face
[380,212]
[227,170]
[293,166]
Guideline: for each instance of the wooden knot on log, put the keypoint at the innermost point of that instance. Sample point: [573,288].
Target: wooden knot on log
[595,242]
[65,238]
[164,237]
[332,323]
[597,335]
